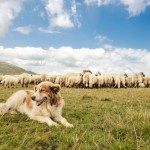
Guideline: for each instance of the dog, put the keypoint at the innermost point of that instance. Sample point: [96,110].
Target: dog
[43,104]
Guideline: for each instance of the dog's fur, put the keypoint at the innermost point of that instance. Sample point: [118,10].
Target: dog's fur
[44,104]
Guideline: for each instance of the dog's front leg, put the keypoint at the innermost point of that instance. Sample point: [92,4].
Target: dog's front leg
[63,121]
[44,119]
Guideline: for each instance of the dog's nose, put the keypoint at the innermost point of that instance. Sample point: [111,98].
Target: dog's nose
[33,97]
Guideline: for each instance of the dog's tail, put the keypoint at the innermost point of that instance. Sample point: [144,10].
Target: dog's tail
[4,108]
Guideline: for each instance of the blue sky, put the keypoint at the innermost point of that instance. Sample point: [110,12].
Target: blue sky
[75,24]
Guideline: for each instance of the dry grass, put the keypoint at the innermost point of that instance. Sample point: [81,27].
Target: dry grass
[103,118]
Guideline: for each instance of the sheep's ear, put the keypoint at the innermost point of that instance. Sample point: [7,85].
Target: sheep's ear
[35,88]
[55,88]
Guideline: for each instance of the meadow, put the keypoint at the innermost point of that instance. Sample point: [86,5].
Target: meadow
[104,119]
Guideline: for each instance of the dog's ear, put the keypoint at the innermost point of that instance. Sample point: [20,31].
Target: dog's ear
[35,88]
[55,88]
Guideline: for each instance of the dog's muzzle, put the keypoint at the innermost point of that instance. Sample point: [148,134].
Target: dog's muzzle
[38,102]
[33,97]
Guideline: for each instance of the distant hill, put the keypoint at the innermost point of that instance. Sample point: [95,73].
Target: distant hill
[6,68]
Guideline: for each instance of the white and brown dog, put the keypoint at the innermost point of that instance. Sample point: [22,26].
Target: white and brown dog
[42,104]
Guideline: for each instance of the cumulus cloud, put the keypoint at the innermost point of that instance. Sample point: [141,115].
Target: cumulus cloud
[62,20]
[67,59]
[24,30]
[9,9]
[59,17]
[134,7]
[26,57]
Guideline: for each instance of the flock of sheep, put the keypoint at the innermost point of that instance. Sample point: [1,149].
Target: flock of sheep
[85,79]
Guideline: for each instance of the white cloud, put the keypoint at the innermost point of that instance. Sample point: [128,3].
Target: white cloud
[75,14]
[134,7]
[58,16]
[48,31]
[24,53]
[99,2]
[66,59]
[9,9]
[108,47]
[54,7]
[26,57]
[62,20]
[102,38]
[24,30]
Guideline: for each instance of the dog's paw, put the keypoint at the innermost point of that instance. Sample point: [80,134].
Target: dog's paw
[55,124]
[68,125]
[3,108]
[12,112]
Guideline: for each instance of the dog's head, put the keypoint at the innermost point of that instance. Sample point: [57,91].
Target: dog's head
[46,92]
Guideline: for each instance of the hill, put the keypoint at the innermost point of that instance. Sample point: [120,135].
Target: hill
[6,68]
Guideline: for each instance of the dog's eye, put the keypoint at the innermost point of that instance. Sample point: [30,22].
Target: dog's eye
[42,90]
[35,88]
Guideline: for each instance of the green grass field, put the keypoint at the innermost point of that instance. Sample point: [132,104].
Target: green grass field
[103,118]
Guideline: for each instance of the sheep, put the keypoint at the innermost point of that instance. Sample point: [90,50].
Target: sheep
[108,80]
[120,80]
[100,81]
[93,81]
[129,81]
[146,81]
[1,78]
[75,81]
[67,76]
[60,79]
[25,79]
[51,78]
[137,78]
[86,77]
[10,81]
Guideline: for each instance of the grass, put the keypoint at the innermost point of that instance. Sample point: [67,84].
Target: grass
[103,118]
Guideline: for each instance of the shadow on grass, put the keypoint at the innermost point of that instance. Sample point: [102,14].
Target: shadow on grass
[88,97]
[106,99]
